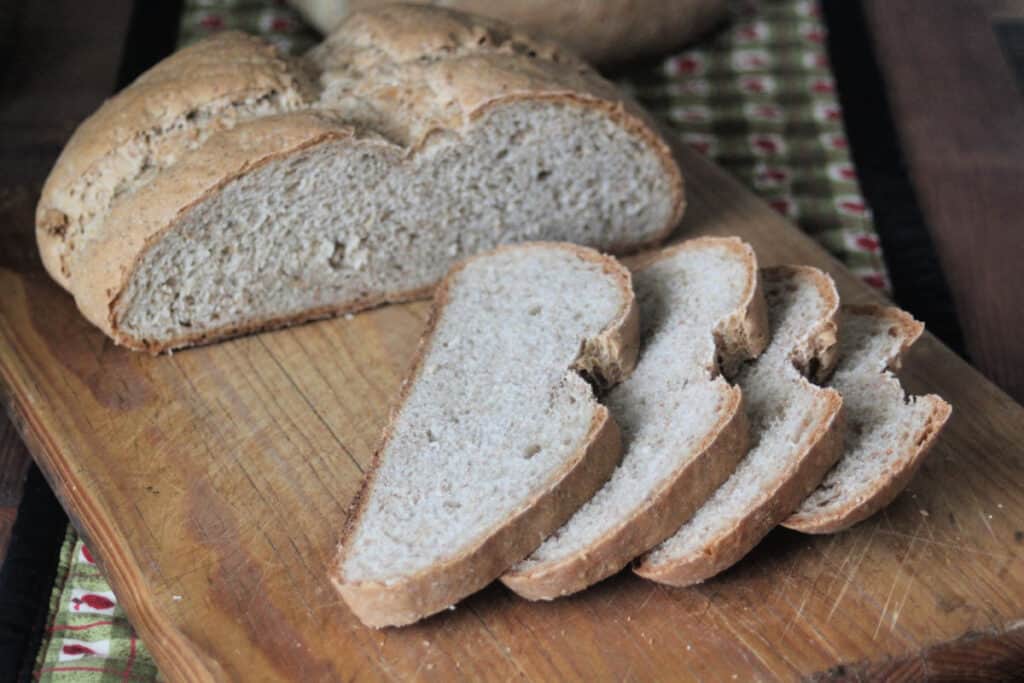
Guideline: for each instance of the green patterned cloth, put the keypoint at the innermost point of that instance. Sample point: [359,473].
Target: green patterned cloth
[757,97]
[87,636]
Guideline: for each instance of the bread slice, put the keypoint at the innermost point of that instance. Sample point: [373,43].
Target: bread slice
[888,434]
[796,429]
[497,438]
[683,424]
[599,30]
[231,189]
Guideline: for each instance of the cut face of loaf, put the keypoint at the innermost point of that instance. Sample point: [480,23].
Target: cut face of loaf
[496,439]
[197,205]
[683,424]
[796,434]
[888,433]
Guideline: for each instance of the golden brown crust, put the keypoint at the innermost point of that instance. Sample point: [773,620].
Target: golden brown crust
[430,591]
[599,30]
[885,490]
[820,453]
[744,331]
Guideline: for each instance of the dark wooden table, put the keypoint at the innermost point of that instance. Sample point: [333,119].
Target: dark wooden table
[957,108]
[58,61]
[959,111]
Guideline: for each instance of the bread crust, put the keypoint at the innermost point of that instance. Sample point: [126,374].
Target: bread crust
[744,333]
[673,503]
[429,591]
[230,69]
[425,61]
[884,490]
[731,547]
[110,259]
[599,30]
[819,455]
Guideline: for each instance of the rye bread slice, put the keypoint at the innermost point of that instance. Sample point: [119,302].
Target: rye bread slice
[683,424]
[497,438]
[888,433]
[796,430]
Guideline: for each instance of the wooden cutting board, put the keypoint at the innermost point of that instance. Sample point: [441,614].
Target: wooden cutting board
[211,486]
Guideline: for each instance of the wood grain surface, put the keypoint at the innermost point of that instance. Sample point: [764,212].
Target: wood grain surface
[212,485]
[960,114]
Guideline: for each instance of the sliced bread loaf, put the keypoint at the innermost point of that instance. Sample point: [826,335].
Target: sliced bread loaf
[683,424]
[887,435]
[795,429]
[497,438]
[230,189]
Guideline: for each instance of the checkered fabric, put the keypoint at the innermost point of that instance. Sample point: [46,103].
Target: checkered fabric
[756,97]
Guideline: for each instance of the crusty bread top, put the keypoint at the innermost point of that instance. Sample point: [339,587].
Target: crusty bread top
[407,71]
[403,72]
[165,111]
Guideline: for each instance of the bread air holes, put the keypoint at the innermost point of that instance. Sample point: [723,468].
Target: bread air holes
[543,174]
[337,257]
[534,310]
[531,450]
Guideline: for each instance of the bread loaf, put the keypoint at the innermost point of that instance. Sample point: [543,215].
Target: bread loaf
[231,189]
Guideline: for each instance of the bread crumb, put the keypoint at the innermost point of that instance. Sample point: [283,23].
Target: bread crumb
[176,598]
[924,513]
